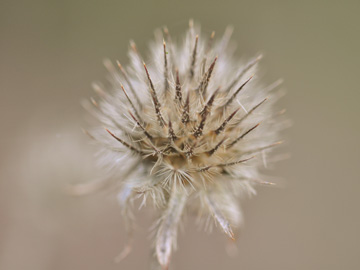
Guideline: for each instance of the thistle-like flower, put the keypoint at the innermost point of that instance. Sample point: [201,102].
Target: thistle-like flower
[188,131]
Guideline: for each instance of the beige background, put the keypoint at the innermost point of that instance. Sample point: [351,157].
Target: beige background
[50,52]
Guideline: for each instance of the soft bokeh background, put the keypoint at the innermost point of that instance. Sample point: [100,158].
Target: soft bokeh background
[50,52]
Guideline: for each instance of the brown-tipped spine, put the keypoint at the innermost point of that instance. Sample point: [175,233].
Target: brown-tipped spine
[242,73]
[204,114]
[157,105]
[131,104]
[178,94]
[141,126]
[125,143]
[233,163]
[172,135]
[185,118]
[226,121]
[242,136]
[203,169]
[213,150]
[236,92]
[206,78]
[252,110]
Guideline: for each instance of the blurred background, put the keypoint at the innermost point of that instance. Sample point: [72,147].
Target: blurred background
[51,51]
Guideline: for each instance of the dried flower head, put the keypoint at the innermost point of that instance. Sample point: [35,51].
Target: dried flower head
[187,131]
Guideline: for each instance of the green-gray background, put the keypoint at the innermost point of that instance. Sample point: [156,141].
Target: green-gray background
[50,52]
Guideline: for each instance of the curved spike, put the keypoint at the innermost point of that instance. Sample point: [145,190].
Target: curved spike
[125,143]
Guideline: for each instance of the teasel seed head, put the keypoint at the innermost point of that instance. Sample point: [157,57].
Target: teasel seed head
[187,131]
